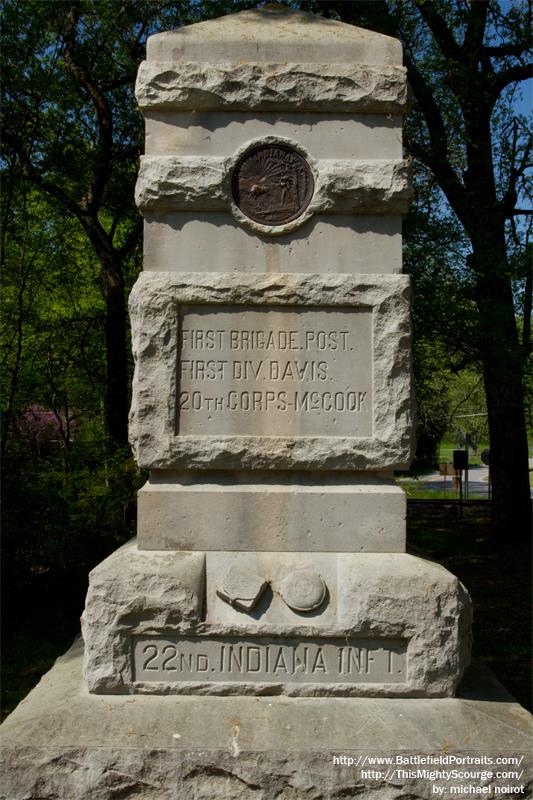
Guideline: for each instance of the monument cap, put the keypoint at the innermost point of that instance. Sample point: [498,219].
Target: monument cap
[296,36]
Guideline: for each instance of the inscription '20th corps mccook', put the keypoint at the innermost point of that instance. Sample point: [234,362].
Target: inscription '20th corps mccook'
[272,371]
[202,658]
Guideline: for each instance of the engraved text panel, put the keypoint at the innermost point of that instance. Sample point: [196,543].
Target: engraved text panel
[272,660]
[271,371]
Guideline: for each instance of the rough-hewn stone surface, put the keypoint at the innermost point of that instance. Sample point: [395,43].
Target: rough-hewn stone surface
[140,590]
[371,596]
[262,86]
[63,744]
[341,186]
[399,595]
[154,303]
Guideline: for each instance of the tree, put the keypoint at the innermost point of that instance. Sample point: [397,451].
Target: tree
[463,60]
[444,315]
[62,127]
[71,130]
[70,127]
[52,315]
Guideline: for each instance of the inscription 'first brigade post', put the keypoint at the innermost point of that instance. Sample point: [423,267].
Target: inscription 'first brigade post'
[255,630]
[272,394]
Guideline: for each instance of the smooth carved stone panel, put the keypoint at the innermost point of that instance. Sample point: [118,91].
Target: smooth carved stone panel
[177,659]
[340,513]
[274,371]
[369,428]
[212,242]
[262,86]
[326,135]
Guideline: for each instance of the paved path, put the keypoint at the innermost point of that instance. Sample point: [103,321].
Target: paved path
[478,483]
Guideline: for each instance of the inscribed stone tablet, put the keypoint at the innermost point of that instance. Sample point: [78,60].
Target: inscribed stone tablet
[277,371]
[269,660]
[272,371]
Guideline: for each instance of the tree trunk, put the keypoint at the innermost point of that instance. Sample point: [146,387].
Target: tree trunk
[502,355]
[116,401]
[116,398]
[502,360]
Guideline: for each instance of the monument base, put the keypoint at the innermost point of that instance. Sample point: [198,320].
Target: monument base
[279,511]
[300,624]
[63,743]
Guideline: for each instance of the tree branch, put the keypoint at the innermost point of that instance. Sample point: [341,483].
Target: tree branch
[102,166]
[132,239]
[510,195]
[443,36]
[518,72]
[117,83]
[35,176]
[437,158]
[528,300]
[475,30]
[510,49]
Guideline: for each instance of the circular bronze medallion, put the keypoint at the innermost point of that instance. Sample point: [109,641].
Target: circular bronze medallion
[272,184]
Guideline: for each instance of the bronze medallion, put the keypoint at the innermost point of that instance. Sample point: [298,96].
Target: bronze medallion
[272,184]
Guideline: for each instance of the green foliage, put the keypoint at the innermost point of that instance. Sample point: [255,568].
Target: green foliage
[468,409]
[70,236]
[63,513]
[445,318]
[51,334]
[445,330]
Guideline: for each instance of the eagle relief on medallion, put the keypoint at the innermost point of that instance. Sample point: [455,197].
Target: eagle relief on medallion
[272,184]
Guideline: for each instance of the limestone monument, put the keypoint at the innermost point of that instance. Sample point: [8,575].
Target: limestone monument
[272,394]
[272,400]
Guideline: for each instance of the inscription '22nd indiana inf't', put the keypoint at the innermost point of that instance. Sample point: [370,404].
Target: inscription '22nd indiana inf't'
[272,371]
[201,658]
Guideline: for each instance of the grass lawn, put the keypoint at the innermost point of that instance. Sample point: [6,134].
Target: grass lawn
[497,575]
[474,456]
[416,490]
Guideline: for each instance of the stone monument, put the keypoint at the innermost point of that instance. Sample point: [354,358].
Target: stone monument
[272,394]
[272,400]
